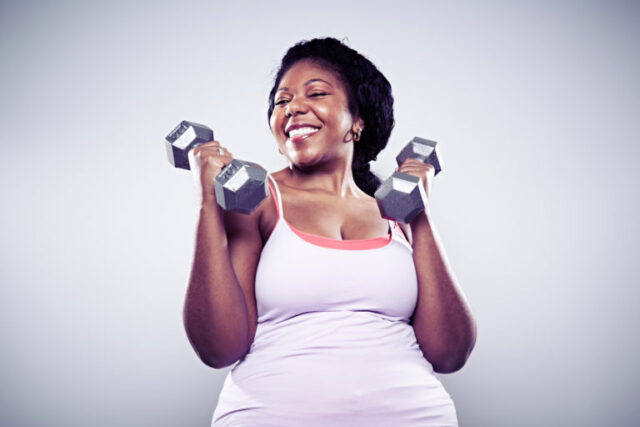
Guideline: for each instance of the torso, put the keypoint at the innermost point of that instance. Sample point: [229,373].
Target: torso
[322,214]
[332,338]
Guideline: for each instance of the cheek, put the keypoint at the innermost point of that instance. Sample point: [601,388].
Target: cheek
[338,113]
[273,123]
[346,119]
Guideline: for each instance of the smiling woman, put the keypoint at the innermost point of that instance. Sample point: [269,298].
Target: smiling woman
[311,120]
[334,315]
[367,91]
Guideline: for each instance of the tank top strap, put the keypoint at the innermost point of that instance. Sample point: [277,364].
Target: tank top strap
[275,192]
[398,234]
[393,227]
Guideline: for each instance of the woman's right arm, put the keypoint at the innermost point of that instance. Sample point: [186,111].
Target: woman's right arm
[220,309]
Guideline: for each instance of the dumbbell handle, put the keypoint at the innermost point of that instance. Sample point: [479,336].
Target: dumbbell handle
[425,150]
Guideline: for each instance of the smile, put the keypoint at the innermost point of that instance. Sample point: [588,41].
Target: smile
[305,131]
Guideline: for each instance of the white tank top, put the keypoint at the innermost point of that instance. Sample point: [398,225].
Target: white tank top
[333,344]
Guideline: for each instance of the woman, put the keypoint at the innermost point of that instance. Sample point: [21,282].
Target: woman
[336,316]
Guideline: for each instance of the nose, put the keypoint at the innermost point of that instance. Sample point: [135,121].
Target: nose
[296,106]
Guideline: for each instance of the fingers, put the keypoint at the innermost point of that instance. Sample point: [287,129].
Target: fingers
[416,167]
[424,171]
[211,152]
[206,161]
[213,148]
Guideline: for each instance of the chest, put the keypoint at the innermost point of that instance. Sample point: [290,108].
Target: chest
[333,217]
[295,277]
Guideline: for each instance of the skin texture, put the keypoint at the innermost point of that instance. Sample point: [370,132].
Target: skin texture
[319,197]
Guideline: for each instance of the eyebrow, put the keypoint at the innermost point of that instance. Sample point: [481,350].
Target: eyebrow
[308,82]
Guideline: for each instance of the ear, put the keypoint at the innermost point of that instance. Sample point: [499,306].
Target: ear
[358,124]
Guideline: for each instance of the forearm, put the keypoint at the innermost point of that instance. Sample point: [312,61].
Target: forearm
[215,314]
[443,322]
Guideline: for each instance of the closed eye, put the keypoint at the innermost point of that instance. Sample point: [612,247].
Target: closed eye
[284,100]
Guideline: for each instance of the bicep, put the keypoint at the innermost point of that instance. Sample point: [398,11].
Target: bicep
[245,247]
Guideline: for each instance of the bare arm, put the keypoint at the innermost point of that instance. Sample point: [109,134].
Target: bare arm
[219,310]
[215,314]
[442,321]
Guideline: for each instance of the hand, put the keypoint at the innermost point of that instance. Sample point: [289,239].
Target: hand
[426,172]
[206,161]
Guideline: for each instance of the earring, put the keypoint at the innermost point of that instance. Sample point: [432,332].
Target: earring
[356,135]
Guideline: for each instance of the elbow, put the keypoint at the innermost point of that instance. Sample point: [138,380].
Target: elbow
[217,361]
[449,366]
[452,363]
[454,360]
[209,359]
[227,359]
[216,350]
[213,353]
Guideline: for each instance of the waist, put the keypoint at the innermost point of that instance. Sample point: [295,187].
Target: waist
[331,334]
[337,357]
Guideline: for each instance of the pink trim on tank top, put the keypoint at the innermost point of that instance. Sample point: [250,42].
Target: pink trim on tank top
[327,242]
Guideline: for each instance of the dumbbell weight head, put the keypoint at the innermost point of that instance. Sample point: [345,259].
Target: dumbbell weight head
[182,139]
[402,196]
[239,187]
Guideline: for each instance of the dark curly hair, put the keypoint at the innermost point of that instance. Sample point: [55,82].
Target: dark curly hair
[369,94]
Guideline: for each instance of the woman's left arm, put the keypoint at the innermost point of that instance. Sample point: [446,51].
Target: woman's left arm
[442,321]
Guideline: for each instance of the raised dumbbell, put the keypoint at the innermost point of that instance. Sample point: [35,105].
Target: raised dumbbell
[402,197]
[240,186]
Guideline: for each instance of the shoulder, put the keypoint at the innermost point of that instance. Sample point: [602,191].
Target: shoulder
[279,175]
[281,179]
[266,215]
[258,224]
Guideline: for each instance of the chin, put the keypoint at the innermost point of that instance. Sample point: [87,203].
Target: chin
[301,164]
[305,163]
[303,160]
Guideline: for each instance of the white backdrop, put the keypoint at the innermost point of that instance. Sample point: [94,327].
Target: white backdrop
[535,105]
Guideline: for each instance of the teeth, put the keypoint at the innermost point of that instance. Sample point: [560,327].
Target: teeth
[302,131]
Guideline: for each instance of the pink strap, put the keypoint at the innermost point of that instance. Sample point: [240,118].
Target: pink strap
[275,199]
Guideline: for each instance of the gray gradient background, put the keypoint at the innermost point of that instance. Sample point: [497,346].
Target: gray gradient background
[535,105]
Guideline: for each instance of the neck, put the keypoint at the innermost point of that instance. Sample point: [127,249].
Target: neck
[336,179]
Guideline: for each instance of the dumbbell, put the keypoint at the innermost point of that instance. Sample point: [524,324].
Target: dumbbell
[240,186]
[402,196]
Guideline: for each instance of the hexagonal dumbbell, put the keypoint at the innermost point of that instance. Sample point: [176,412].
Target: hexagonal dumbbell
[402,197]
[240,186]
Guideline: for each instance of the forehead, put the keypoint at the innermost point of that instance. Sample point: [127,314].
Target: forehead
[305,70]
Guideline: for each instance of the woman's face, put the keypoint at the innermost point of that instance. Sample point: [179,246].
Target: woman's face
[311,120]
